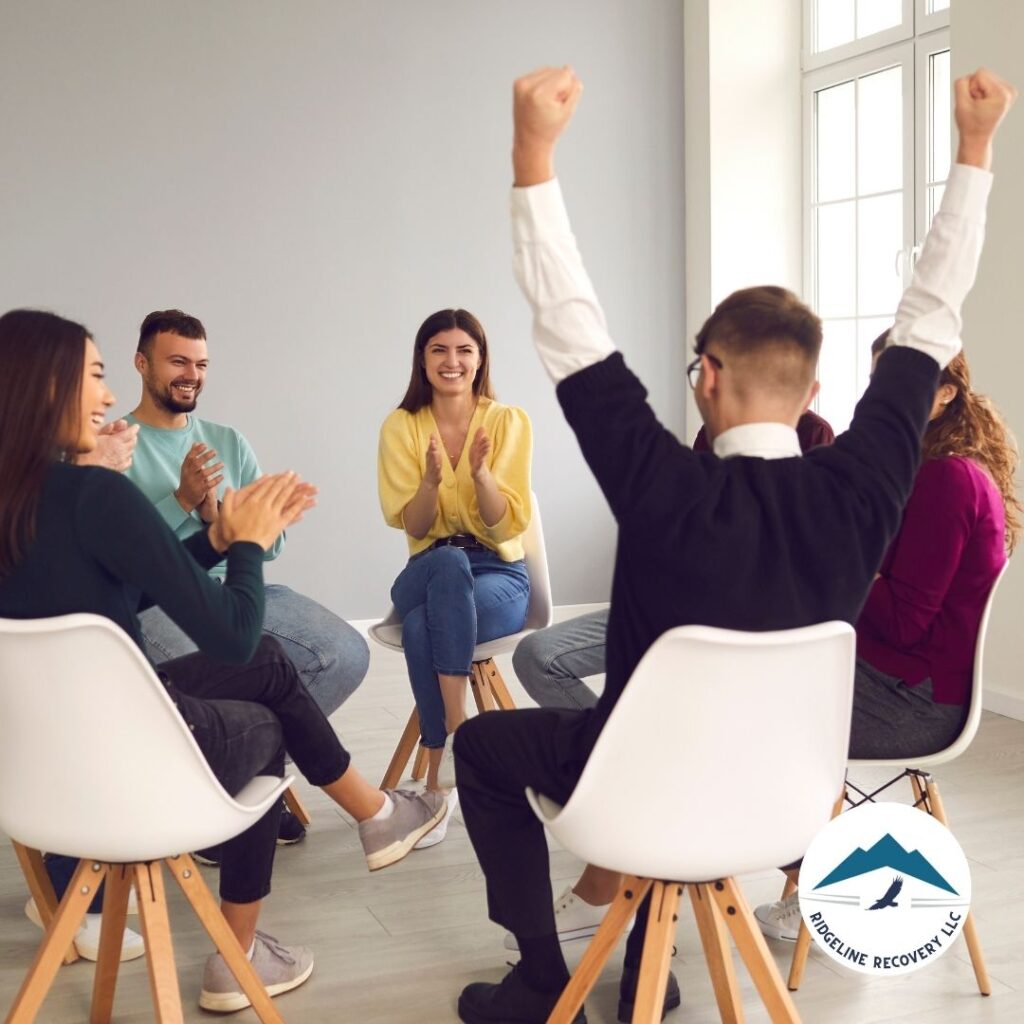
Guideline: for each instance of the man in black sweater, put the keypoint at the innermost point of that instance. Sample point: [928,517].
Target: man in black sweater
[753,537]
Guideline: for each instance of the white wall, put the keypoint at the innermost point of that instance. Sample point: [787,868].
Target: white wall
[992,34]
[743,155]
[313,178]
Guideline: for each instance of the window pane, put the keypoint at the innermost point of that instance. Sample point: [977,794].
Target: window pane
[836,251]
[876,15]
[880,132]
[937,5]
[834,141]
[867,330]
[837,372]
[834,22]
[938,116]
[879,239]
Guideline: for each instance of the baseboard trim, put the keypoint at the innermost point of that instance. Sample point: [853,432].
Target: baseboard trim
[1008,704]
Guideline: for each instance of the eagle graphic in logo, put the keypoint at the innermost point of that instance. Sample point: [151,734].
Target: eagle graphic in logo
[889,899]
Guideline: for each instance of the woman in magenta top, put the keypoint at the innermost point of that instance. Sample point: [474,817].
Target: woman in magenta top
[916,635]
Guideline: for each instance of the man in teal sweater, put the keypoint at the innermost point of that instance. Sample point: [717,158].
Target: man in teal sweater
[182,463]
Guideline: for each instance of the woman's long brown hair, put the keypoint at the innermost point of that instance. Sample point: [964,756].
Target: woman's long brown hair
[971,427]
[41,363]
[419,392]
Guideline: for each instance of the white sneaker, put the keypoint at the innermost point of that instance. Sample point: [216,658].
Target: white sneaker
[781,919]
[446,770]
[440,830]
[87,938]
[574,919]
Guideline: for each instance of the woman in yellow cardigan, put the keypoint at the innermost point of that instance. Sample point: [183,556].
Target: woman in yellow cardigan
[454,473]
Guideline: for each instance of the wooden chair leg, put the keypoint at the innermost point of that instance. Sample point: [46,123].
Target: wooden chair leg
[419,766]
[803,939]
[938,811]
[206,909]
[72,909]
[117,886]
[754,950]
[400,758]
[156,930]
[661,933]
[718,954]
[480,685]
[41,889]
[496,683]
[296,806]
[623,907]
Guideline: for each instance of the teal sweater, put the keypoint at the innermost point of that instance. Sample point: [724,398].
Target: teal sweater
[156,470]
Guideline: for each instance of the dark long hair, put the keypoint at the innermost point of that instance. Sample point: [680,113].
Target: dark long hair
[419,393]
[41,363]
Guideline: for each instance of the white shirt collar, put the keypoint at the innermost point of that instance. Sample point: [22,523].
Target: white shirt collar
[761,440]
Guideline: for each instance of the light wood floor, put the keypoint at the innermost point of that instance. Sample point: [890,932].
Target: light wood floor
[398,945]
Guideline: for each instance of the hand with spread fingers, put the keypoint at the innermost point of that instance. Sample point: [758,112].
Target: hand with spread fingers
[982,101]
[199,475]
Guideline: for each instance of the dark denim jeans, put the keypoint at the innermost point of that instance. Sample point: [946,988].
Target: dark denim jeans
[242,718]
[451,599]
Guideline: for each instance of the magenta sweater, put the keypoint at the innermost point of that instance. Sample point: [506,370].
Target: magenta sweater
[922,614]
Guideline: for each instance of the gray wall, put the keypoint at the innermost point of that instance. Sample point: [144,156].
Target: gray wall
[990,34]
[312,179]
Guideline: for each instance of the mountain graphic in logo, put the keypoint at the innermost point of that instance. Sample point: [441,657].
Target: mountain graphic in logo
[886,853]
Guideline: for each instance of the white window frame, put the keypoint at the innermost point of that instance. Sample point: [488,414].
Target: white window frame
[904,30]
[924,47]
[902,54]
[928,22]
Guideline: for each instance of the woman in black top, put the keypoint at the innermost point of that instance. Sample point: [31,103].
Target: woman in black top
[84,539]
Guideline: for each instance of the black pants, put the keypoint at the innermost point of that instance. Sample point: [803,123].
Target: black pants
[496,756]
[243,718]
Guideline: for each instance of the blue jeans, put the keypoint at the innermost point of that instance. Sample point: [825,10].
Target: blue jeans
[552,663]
[449,600]
[329,655]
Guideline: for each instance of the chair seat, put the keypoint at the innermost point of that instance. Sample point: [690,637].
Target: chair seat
[208,825]
[389,634]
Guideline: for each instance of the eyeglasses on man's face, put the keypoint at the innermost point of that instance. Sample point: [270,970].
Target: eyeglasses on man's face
[693,370]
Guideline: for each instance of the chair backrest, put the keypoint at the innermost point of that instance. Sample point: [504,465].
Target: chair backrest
[725,753]
[95,761]
[538,613]
[970,727]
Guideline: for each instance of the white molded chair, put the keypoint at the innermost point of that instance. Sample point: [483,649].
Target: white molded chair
[96,763]
[926,797]
[686,787]
[486,682]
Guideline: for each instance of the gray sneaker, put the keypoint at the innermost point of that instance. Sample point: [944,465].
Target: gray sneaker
[389,840]
[280,968]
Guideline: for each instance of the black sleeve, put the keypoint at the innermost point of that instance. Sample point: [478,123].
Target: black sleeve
[199,547]
[130,540]
[630,453]
[876,459]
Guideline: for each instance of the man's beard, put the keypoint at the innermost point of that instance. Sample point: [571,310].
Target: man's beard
[166,400]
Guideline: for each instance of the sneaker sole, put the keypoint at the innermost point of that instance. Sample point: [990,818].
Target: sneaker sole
[229,1002]
[440,830]
[402,847]
[773,931]
[290,842]
[571,935]
[86,950]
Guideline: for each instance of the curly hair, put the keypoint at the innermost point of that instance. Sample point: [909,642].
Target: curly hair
[971,427]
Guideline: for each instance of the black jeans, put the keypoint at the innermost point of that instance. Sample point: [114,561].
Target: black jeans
[496,756]
[243,718]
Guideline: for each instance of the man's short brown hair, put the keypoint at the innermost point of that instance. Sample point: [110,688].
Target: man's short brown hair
[773,327]
[171,320]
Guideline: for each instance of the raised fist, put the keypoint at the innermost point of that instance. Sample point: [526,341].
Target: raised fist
[982,100]
[543,104]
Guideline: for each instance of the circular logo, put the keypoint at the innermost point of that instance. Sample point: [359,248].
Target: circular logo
[884,889]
